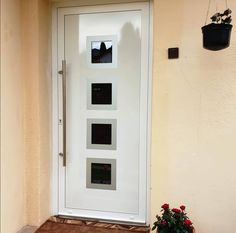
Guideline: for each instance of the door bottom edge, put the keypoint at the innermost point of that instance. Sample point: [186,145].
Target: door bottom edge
[102,220]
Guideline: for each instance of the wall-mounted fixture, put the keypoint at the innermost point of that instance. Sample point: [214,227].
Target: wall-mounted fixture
[216,35]
[173,53]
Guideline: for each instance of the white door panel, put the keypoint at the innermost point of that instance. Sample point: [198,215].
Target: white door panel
[106,111]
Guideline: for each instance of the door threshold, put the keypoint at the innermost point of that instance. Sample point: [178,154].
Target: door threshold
[75,219]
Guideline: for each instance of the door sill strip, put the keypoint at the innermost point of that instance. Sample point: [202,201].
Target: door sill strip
[101,222]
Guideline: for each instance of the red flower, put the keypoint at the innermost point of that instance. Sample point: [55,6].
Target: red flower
[182,207]
[176,210]
[187,222]
[165,206]
[163,222]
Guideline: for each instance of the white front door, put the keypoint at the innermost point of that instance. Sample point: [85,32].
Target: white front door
[103,111]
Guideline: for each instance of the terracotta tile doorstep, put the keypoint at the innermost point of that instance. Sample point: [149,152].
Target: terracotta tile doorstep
[62,225]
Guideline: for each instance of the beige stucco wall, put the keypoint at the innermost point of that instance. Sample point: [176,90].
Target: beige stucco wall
[25,113]
[12,119]
[193,119]
[37,20]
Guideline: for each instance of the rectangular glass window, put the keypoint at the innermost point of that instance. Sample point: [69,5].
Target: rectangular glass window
[101,93]
[101,134]
[101,51]
[100,173]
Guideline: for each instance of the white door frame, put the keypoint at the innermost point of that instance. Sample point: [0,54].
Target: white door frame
[55,110]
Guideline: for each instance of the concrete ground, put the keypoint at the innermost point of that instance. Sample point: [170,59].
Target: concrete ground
[28,229]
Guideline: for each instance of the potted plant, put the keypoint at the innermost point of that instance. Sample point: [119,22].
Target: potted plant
[216,35]
[173,221]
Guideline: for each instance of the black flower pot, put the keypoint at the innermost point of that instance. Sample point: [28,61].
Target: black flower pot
[216,36]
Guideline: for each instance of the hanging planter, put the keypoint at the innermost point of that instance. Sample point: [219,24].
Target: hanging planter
[216,35]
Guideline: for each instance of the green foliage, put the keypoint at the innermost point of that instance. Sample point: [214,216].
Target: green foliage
[173,221]
[224,18]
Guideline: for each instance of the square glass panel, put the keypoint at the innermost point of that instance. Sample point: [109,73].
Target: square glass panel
[101,134]
[101,93]
[101,173]
[101,51]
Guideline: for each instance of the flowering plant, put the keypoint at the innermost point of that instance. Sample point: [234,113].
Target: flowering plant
[224,17]
[173,221]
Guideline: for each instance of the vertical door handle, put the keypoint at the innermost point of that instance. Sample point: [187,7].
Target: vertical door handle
[63,73]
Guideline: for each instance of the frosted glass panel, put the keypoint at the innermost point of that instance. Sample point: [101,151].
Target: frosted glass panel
[101,134]
[102,93]
[101,174]
[102,51]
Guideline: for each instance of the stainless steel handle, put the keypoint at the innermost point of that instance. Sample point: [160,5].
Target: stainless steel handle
[63,73]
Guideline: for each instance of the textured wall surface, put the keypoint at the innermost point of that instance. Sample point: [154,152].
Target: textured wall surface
[12,119]
[193,119]
[36,32]
[25,117]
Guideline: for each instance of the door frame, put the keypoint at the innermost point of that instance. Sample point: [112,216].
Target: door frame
[55,132]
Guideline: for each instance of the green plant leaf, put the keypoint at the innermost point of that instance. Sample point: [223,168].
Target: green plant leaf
[227,12]
[227,20]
